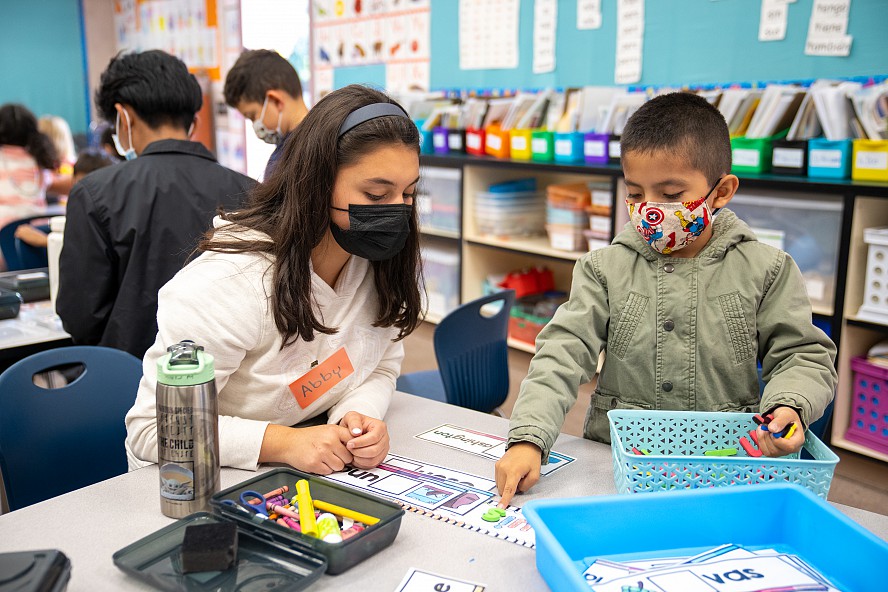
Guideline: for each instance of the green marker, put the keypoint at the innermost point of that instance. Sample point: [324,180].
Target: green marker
[721,452]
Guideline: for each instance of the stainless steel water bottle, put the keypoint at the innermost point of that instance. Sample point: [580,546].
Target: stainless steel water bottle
[187,429]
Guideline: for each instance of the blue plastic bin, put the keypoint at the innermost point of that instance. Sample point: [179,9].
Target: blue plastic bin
[572,533]
[569,147]
[827,158]
[677,441]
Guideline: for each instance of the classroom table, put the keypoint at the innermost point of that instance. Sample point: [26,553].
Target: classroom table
[35,329]
[90,524]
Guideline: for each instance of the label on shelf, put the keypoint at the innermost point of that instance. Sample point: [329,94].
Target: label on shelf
[454,141]
[494,141]
[613,149]
[563,241]
[539,145]
[473,141]
[439,140]
[871,160]
[594,148]
[825,159]
[746,157]
[519,143]
[602,197]
[793,158]
[600,224]
[563,147]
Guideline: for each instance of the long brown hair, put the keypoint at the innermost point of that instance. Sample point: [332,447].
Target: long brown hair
[293,208]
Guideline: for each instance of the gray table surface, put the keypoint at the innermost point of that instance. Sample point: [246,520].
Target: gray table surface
[90,524]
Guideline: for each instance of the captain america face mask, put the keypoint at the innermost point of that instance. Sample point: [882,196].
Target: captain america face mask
[670,226]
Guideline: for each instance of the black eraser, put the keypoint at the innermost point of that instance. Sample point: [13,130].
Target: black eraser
[209,547]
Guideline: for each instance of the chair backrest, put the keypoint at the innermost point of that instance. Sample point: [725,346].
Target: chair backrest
[473,354]
[17,253]
[56,440]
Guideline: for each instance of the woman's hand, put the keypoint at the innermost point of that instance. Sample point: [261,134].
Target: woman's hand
[317,449]
[369,439]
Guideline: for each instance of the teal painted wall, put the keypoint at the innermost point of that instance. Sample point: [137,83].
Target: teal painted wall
[685,42]
[42,61]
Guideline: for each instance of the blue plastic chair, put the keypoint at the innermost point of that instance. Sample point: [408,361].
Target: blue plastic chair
[473,358]
[53,441]
[19,254]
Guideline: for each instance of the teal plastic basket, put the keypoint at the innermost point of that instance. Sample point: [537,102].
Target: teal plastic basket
[677,441]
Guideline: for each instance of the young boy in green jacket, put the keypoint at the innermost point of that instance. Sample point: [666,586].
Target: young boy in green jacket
[683,302]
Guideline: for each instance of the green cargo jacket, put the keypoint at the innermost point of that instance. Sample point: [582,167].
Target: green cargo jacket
[678,334]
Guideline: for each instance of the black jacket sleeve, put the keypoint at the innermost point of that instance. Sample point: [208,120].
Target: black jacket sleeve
[88,267]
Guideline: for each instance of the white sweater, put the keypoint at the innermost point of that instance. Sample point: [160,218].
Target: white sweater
[220,301]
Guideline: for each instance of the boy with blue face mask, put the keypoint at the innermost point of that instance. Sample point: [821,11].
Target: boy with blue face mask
[683,303]
[265,88]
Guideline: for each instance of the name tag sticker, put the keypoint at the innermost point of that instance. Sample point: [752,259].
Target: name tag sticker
[315,383]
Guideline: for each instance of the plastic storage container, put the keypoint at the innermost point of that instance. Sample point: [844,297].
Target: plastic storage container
[35,571]
[790,157]
[520,144]
[572,533]
[751,155]
[439,198]
[339,556]
[875,294]
[829,158]
[806,227]
[569,147]
[869,410]
[677,441]
[595,148]
[475,141]
[156,560]
[441,272]
[869,161]
[542,146]
[508,214]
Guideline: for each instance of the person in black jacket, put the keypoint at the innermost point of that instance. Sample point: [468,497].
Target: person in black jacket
[131,227]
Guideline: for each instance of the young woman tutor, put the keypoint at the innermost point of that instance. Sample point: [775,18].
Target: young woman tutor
[304,296]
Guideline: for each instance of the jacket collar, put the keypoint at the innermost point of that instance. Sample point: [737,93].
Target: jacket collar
[178,147]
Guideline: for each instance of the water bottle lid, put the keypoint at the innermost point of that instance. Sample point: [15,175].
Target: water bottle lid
[185,364]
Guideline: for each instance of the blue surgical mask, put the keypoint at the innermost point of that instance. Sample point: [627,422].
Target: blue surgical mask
[129,154]
[263,133]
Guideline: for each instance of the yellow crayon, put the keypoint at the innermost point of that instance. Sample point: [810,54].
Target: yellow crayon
[345,513]
[306,509]
[791,431]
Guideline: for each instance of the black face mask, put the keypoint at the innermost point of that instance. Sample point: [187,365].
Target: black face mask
[376,233]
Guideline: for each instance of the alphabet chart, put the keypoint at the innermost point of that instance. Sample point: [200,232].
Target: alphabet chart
[486,445]
[443,494]
[728,568]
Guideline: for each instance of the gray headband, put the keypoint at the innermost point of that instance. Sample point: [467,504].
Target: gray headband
[368,112]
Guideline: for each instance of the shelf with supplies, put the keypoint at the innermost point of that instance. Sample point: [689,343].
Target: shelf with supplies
[819,221]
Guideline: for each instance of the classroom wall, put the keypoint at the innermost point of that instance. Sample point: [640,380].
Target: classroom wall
[42,63]
[685,42]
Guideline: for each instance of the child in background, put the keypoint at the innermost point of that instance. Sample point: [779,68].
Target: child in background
[26,157]
[684,302]
[87,162]
[316,277]
[265,88]
[58,130]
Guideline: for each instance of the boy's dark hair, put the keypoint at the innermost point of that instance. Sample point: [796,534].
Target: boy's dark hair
[154,83]
[684,124]
[91,160]
[293,208]
[18,127]
[256,72]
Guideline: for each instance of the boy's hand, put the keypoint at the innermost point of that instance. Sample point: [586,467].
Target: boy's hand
[517,470]
[368,439]
[774,446]
[317,449]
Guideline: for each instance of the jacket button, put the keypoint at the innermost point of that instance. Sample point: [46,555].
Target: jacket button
[669,325]
[667,386]
[614,403]
[668,268]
